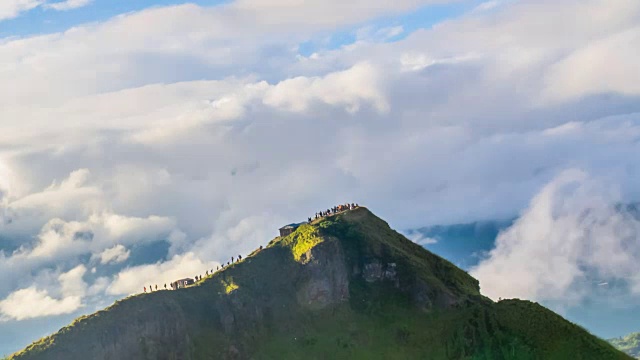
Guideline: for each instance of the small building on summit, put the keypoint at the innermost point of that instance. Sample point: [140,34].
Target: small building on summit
[288,229]
[182,283]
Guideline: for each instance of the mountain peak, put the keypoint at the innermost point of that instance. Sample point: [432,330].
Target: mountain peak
[343,286]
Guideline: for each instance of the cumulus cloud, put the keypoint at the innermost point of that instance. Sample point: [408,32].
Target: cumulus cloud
[116,254]
[59,238]
[574,235]
[32,302]
[73,197]
[72,283]
[348,88]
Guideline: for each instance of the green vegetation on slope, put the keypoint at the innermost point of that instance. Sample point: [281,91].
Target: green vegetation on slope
[387,329]
[552,336]
[305,238]
[630,344]
[259,309]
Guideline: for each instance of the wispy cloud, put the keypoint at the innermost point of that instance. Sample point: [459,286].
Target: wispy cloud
[10,9]
[420,238]
[67,5]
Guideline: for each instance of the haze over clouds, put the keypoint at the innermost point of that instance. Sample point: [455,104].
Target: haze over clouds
[200,130]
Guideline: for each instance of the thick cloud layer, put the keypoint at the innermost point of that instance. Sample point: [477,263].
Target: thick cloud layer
[574,238]
[141,149]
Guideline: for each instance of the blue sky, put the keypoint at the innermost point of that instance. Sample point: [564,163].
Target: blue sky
[420,19]
[43,21]
[151,148]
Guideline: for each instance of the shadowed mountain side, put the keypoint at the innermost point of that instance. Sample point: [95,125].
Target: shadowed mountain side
[345,286]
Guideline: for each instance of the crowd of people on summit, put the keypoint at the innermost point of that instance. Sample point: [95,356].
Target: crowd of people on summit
[319,215]
[334,210]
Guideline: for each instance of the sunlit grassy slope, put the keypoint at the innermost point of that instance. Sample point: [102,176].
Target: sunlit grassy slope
[254,309]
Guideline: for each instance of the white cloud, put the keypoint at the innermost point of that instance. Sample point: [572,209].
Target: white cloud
[606,65]
[12,8]
[61,239]
[116,254]
[348,88]
[73,197]
[487,5]
[72,283]
[68,4]
[31,302]
[99,230]
[571,238]
[332,13]
[420,238]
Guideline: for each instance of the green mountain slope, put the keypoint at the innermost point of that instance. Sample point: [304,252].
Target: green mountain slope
[630,344]
[344,287]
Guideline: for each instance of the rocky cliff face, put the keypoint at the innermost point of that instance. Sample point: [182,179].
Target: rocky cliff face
[326,277]
[328,290]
